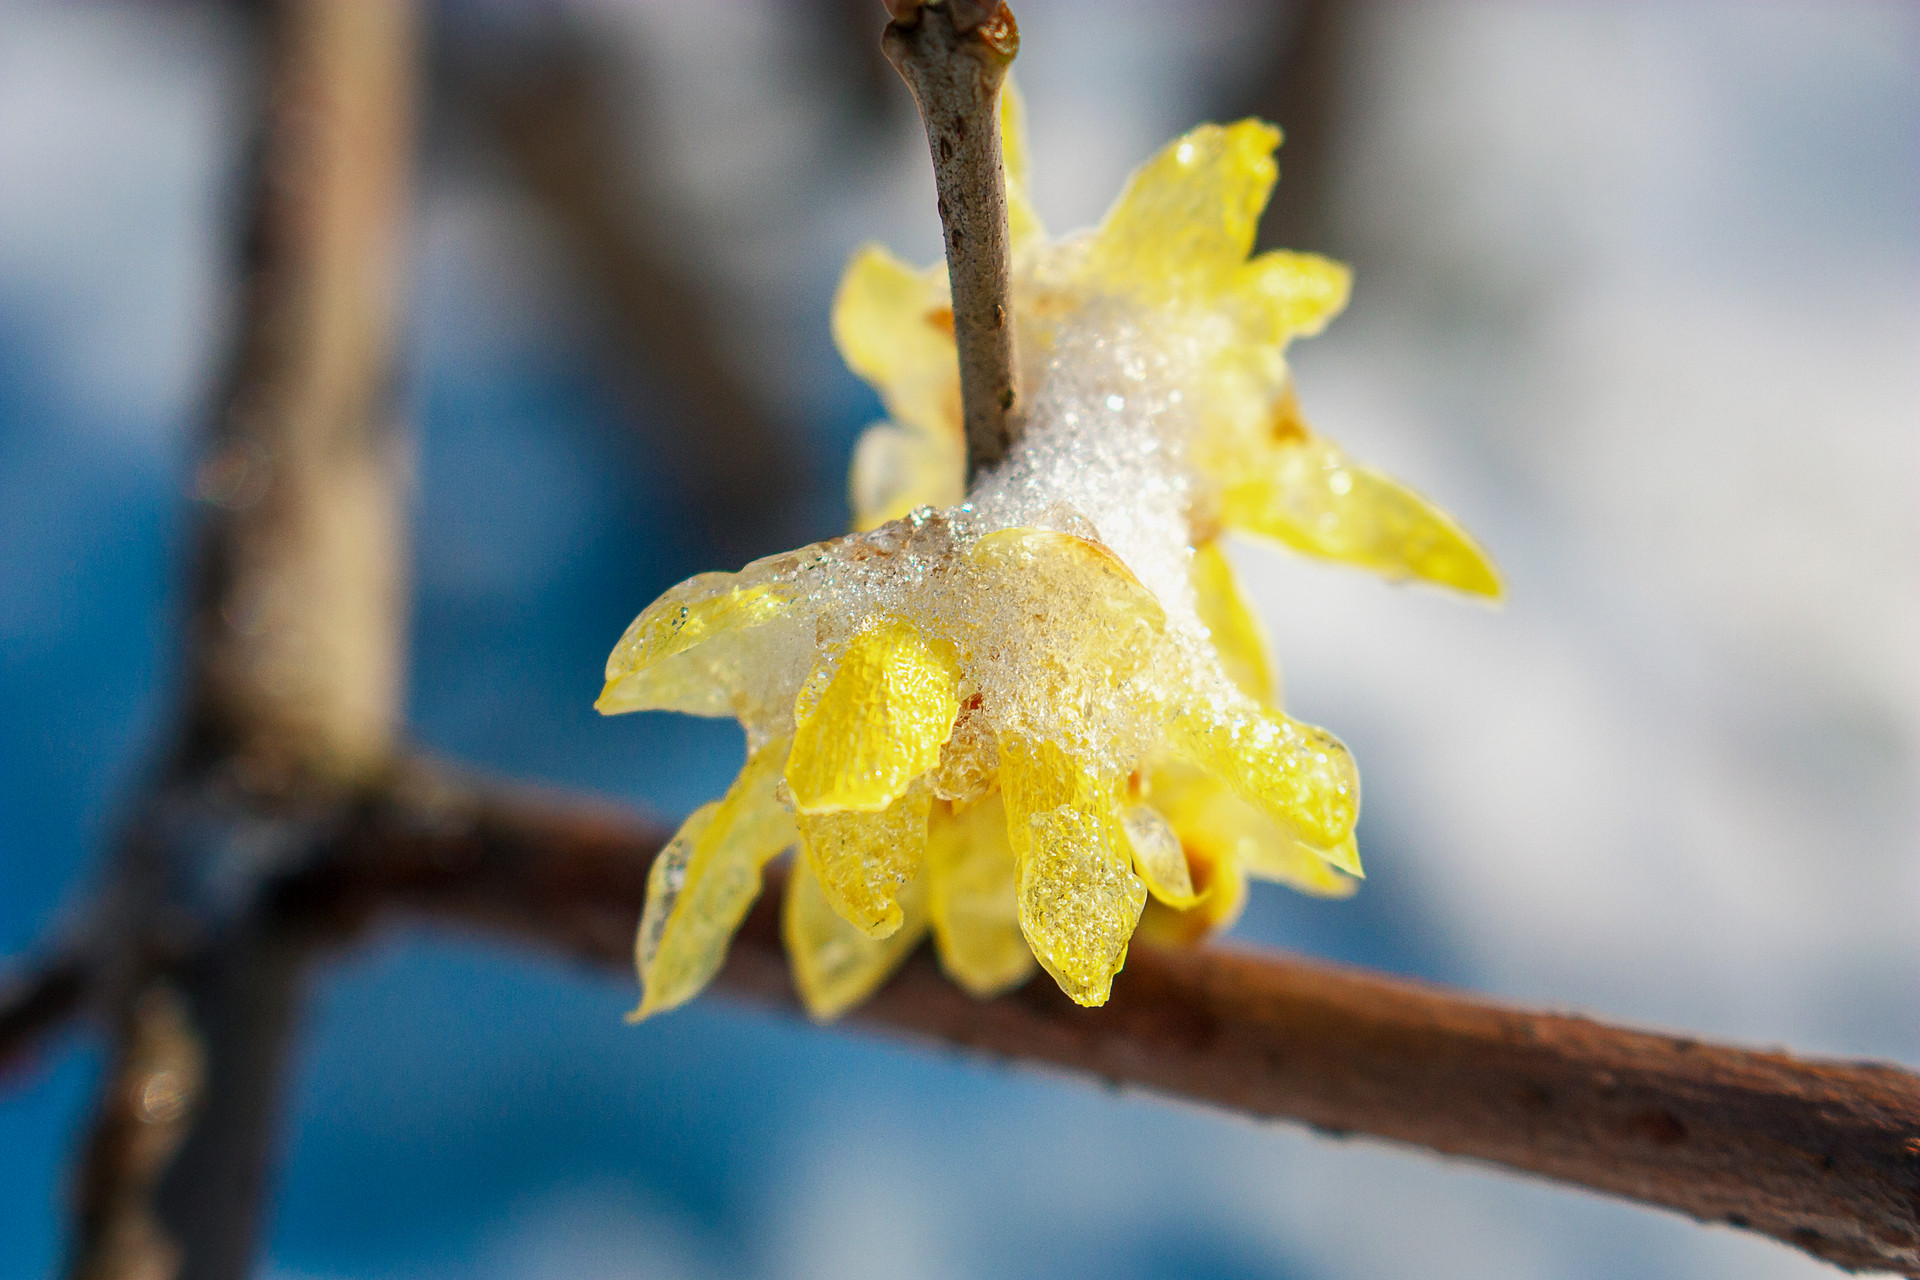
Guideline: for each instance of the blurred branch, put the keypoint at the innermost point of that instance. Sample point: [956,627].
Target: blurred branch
[37,1002]
[294,652]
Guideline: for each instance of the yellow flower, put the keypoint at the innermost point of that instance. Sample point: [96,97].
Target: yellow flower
[1033,716]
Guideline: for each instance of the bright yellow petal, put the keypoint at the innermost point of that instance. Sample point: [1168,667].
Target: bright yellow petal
[1237,634]
[1283,295]
[1158,858]
[688,650]
[1308,494]
[1299,775]
[836,966]
[1079,898]
[1023,224]
[1223,895]
[896,470]
[1216,826]
[863,859]
[894,328]
[973,898]
[1185,221]
[702,884]
[879,724]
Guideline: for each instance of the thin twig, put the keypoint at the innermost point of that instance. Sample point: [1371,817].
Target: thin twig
[954,55]
[37,1002]
[1824,1156]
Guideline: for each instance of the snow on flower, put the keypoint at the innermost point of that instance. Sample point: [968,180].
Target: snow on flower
[1033,716]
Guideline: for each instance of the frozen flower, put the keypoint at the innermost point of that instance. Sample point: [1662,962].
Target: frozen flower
[1032,716]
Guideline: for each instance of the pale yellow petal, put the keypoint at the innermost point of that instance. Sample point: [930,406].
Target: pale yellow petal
[1216,826]
[1299,775]
[863,859]
[894,327]
[1222,887]
[1237,634]
[836,966]
[1023,224]
[879,724]
[702,884]
[1283,295]
[1185,222]
[1308,494]
[973,897]
[688,650]
[896,470]
[1157,856]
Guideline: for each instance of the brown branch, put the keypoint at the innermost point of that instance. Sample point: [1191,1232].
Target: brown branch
[954,55]
[294,658]
[1824,1156]
[36,1003]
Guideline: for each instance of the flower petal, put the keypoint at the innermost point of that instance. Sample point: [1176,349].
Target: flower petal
[1157,856]
[879,724]
[1283,295]
[702,884]
[1299,775]
[1023,224]
[1308,494]
[863,859]
[1235,629]
[1079,898]
[687,650]
[1217,826]
[836,966]
[896,470]
[894,328]
[973,896]
[1185,221]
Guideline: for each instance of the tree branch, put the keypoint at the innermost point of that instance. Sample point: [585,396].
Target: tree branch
[1824,1156]
[36,1002]
[954,55]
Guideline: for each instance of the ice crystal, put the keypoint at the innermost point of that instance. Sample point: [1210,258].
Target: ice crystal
[1035,716]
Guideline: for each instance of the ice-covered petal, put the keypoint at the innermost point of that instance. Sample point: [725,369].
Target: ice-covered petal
[1283,295]
[1185,221]
[836,966]
[1235,629]
[1308,494]
[1216,826]
[1157,856]
[894,327]
[1079,898]
[702,884]
[973,898]
[879,723]
[1222,889]
[863,859]
[896,470]
[1299,775]
[687,650]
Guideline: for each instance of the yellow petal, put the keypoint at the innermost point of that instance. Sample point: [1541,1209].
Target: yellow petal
[1216,826]
[863,859]
[879,724]
[1299,775]
[1023,224]
[894,328]
[702,884]
[1223,895]
[1185,221]
[688,650]
[1283,295]
[1236,631]
[1308,494]
[973,897]
[836,966]
[1079,899]
[896,470]
[1157,856]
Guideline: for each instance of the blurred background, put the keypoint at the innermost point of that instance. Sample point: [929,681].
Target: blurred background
[1638,298]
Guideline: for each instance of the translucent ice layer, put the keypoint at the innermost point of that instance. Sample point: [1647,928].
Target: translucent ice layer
[1034,716]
